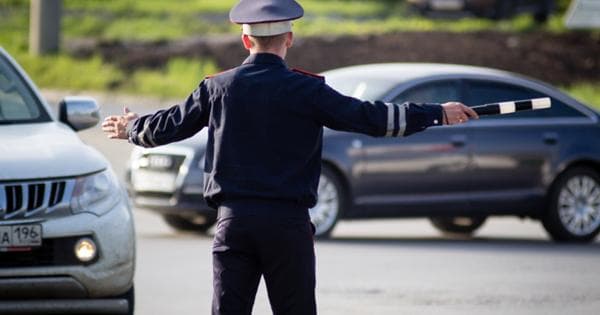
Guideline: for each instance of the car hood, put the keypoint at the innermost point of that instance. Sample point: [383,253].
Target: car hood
[45,150]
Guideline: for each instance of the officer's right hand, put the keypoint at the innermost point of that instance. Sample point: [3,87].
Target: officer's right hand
[116,126]
[457,113]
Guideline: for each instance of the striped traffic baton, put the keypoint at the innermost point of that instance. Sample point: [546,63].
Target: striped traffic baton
[511,107]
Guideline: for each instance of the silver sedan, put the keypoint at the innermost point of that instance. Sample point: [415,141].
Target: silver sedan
[539,164]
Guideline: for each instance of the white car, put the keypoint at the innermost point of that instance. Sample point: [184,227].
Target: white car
[67,242]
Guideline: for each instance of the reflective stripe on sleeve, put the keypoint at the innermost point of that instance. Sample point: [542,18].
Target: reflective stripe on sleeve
[143,133]
[402,120]
[391,120]
[396,123]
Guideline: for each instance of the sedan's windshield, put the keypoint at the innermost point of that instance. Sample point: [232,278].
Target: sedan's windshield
[369,89]
[17,103]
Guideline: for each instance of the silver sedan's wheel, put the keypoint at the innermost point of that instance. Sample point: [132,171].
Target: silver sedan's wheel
[324,215]
[574,214]
[579,205]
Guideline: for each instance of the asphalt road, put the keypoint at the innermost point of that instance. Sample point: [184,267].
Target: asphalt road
[377,267]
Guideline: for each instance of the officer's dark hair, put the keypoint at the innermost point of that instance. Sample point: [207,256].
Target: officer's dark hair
[268,42]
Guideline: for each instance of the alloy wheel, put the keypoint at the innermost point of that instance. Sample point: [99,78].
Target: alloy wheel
[324,214]
[579,205]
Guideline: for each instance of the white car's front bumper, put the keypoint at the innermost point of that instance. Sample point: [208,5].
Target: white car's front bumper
[108,276]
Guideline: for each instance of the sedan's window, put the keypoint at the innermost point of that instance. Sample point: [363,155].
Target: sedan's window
[362,88]
[17,104]
[433,92]
[485,92]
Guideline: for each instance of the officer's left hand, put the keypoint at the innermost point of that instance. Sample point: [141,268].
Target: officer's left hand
[116,126]
[457,113]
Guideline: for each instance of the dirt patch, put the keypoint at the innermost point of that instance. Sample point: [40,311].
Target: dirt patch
[555,58]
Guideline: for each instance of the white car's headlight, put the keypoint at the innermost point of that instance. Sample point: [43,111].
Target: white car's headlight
[96,193]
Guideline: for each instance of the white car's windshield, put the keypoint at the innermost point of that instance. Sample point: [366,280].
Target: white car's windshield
[17,104]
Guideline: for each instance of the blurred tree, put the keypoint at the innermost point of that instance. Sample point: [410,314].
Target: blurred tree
[44,27]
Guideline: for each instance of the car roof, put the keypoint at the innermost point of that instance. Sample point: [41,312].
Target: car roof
[401,72]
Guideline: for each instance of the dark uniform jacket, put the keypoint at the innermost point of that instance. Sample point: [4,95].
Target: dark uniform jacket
[265,128]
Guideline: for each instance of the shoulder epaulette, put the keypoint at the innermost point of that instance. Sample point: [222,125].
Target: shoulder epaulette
[310,74]
[217,74]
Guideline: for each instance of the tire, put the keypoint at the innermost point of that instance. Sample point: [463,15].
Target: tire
[461,226]
[573,213]
[188,224]
[331,200]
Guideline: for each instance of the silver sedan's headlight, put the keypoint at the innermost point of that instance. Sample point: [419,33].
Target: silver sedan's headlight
[97,193]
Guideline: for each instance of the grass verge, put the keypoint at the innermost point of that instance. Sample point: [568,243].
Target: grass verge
[167,20]
[153,20]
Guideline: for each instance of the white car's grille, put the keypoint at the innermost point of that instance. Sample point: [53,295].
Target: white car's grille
[34,199]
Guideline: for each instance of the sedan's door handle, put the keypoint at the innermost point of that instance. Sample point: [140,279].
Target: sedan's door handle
[458,140]
[550,138]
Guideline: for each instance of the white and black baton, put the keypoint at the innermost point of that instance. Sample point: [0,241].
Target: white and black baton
[512,107]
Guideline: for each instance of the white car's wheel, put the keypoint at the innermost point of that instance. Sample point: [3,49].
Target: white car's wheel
[325,214]
[574,211]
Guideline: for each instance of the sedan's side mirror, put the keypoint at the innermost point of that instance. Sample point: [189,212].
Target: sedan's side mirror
[79,112]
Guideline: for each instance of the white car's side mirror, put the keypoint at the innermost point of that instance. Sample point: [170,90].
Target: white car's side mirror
[79,112]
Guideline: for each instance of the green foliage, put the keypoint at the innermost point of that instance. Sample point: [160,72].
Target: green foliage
[348,8]
[128,7]
[14,26]
[154,20]
[61,71]
[177,79]
[588,93]
[352,9]
[13,3]
[144,29]
[166,20]
[84,25]
[522,23]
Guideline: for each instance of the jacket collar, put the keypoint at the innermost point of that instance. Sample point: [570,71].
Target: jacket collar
[264,58]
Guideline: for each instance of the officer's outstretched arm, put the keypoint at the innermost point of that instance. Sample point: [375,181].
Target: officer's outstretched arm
[380,119]
[172,124]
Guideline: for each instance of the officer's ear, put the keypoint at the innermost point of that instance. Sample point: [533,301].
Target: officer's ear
[248,44]
[289,40]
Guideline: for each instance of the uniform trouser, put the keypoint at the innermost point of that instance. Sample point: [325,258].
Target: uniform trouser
[271,239]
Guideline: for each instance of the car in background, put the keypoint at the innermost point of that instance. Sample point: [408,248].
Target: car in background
[169,180]
[541,164]
[495,9]
[67,242]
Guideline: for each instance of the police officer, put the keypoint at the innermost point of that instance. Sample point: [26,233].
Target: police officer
[263,156]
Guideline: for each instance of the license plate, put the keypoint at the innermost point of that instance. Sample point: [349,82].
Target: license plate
[26,235]
[143,180]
